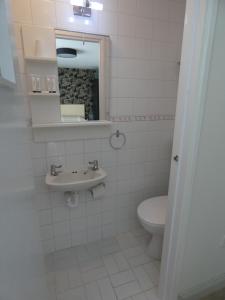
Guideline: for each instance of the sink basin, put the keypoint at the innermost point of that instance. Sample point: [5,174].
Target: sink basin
[75,181]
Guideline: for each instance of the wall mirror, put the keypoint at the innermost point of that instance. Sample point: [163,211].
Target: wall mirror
[82,61]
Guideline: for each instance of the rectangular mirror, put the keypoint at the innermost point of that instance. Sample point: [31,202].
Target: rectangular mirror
[82,76]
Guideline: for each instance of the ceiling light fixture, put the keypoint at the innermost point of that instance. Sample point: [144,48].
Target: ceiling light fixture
[83,7]
[66,52]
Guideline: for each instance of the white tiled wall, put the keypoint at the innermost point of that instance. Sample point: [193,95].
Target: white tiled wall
[146,39]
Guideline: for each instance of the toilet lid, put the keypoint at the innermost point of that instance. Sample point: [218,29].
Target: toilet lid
[153,210]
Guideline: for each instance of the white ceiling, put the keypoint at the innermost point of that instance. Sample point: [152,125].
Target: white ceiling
[88,54]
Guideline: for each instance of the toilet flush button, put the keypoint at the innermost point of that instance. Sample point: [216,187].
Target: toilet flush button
[222,242]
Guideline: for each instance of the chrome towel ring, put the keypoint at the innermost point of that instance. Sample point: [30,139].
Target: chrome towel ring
[117,140]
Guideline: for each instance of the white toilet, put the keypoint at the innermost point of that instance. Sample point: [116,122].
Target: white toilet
[152,215]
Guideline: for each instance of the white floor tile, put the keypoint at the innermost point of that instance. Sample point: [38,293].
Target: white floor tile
[143,278]
[131,252]
[90,264]
[121,261]
[140,232]
[111,269]
[139,260]
[93,249]
[110,249]
[94,274]
[122,278]
[109,246]
[110,264]
[143,241]
[93,291]
[152,294]
[78,294]
[153,272]
[64,263]
[112,241]
[157,264]
[141,296]
[65,254]
[61,280]
[106,289]
[127,240]
[127,290]
[75,279]
[82,253]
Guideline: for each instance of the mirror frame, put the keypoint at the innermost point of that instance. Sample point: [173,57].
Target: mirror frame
[104,71]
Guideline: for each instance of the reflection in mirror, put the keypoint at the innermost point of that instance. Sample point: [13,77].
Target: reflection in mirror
[78,72]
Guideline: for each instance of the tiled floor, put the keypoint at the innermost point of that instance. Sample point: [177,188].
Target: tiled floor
[218,295]
[112,269]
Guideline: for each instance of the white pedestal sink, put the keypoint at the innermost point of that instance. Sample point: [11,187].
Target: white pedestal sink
[75,181]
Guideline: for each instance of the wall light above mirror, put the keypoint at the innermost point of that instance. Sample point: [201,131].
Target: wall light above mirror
[82,62]
[83,8]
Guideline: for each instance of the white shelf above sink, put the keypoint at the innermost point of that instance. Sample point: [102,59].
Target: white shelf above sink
[43,94]
[77,124]
[60,131]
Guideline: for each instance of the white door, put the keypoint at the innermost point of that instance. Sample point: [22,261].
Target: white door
[22,270]
[197,41]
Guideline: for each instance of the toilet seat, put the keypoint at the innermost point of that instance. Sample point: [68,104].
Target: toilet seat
[153,211]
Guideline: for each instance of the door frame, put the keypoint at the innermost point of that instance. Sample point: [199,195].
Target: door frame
[199,27]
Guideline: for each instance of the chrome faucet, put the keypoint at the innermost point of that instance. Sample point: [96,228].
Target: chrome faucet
[53,170]
[93,165]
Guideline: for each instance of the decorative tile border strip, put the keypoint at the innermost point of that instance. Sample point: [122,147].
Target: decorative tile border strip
[152,117]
